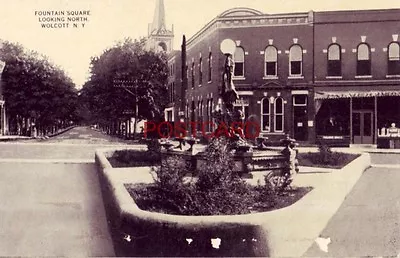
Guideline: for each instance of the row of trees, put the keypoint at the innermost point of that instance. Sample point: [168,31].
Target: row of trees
[102,99]
[39,95]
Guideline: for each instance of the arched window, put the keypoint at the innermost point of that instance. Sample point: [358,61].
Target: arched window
[271,59]
[363,60]
[209,66]
[394,59]
[334,60]
[295,60]
[278,121]
[239,62]
[265,115]
[201,71]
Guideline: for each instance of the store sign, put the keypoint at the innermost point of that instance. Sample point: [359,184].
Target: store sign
[241,102]
[331,137]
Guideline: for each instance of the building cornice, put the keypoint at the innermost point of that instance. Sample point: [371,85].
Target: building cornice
[228,20]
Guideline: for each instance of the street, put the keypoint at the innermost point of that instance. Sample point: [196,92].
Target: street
[367,223]
[51,199]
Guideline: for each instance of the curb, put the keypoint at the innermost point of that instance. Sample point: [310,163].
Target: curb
[270,233]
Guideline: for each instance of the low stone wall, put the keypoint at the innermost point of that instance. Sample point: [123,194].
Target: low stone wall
[137,232]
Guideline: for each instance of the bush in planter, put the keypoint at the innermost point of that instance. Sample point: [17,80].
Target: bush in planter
[220,190]
[217,189]
[170,188]
[326,156]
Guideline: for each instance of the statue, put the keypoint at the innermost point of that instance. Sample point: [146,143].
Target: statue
[229,93]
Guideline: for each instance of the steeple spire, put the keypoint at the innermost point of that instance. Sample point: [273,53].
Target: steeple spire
[158,24]
[160,38]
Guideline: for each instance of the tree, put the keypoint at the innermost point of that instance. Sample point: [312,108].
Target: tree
[36,91]
[127,60]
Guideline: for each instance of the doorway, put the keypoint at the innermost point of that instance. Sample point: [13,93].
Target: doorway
[363,127]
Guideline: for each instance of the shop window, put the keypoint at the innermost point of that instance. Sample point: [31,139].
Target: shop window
[211,119]
[278,115]
[334,60]
[363,60]
[209,66]
[295,60]
[238,57]
[394,59]
[265,115]
[271,58]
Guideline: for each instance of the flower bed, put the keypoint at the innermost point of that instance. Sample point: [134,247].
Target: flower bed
[253,199]
[215,190]
[326,158]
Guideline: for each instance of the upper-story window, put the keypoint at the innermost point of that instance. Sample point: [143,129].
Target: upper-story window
[271,60]
[209,66]
[192,74]
[265,115]
[296,60]
[239,62]
[363,59]
[334,60]
[394,59]
[201,71]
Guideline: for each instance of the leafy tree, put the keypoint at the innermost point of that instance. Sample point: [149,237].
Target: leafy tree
[36,91]
[127,60]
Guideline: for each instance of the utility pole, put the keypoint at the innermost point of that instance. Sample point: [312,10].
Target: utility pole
[127,85]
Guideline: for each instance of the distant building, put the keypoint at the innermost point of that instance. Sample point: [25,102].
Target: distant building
[160,38]
[314,75]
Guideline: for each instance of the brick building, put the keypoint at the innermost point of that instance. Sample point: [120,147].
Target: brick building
[314,75]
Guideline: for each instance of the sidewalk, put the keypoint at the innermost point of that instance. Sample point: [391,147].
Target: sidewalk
[5,138]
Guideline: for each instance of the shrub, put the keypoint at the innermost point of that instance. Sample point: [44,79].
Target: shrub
[220,190]
[170,174]
[325,156]
[217,189]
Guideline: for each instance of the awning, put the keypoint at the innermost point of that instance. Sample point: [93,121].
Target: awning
[355,94]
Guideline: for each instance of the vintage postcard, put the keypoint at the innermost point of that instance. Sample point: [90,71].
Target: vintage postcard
[199,128]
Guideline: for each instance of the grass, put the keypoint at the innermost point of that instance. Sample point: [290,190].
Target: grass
[150,198]
[336,160]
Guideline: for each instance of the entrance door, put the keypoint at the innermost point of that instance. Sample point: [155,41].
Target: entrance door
[300,120]
[363,127]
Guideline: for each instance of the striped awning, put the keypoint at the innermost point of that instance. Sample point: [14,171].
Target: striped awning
[355,94]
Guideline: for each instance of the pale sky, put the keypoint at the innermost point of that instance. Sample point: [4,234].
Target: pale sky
[113,20]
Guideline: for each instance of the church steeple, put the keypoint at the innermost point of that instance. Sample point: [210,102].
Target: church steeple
[159,37]
[159,17]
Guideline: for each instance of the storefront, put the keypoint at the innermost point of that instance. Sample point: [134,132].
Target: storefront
[354,117]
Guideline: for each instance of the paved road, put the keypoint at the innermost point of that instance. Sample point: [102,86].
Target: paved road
[51,199]
[368,221]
